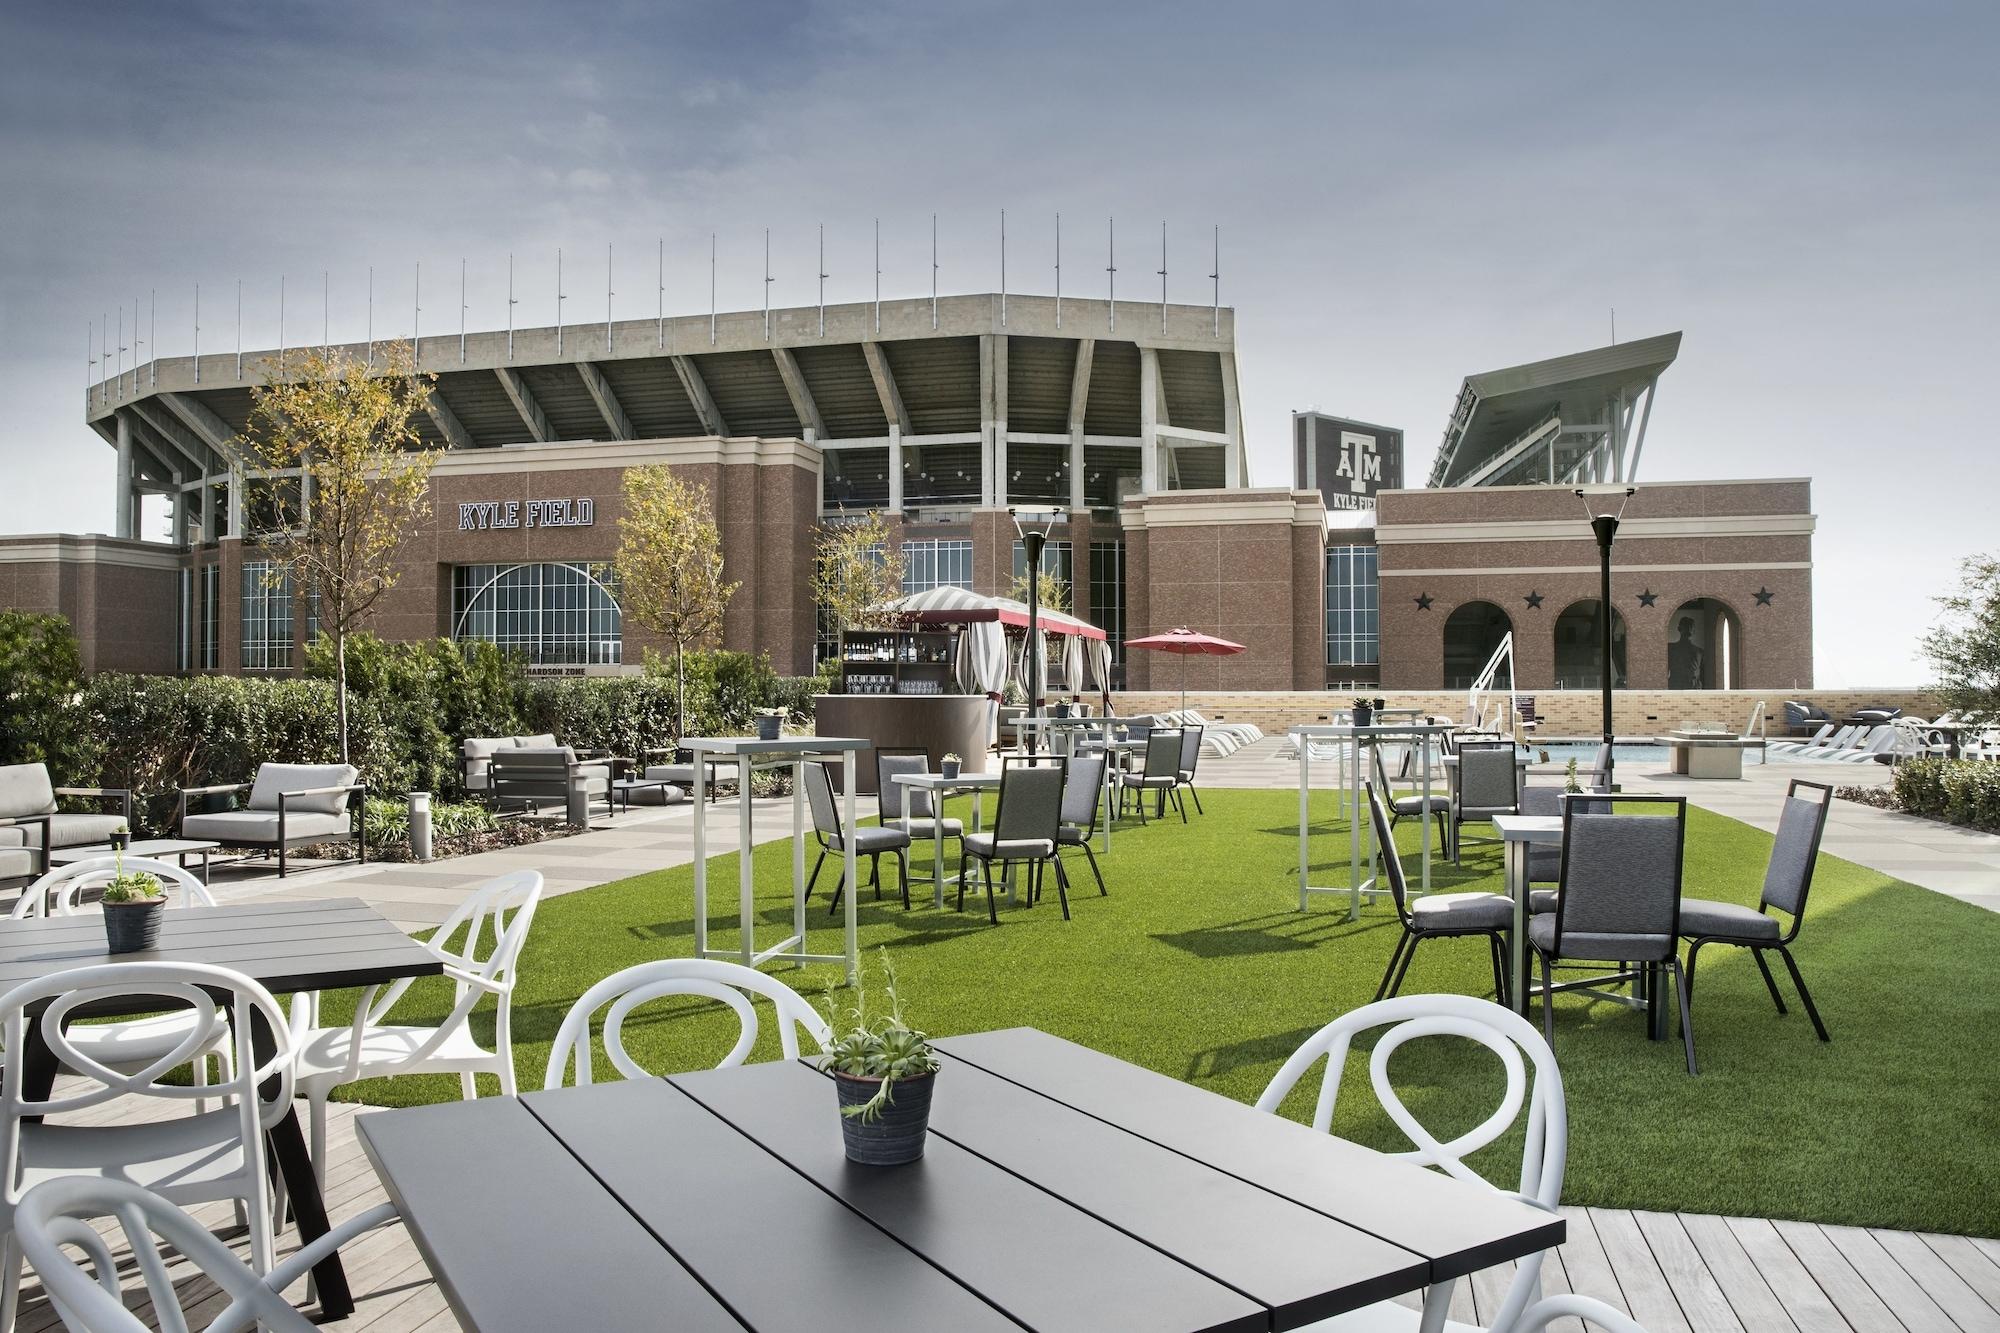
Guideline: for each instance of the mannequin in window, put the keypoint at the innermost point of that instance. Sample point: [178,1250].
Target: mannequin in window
[1686,669]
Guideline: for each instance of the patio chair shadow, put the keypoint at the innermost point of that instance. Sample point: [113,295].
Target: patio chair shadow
[1273,932]
[1272,1049]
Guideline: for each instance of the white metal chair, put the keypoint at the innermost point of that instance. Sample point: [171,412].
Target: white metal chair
[200,1158]
[731,983]
[1567,1306]
[129,1045]
[55,1217]
[1543,1154]
[372,1047]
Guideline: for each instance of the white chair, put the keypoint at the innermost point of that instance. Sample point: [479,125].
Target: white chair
[132,1044]
[731,983]
[1507,1035]
[1567,1306]
[372,1047]
[200,1158]
[56,1217]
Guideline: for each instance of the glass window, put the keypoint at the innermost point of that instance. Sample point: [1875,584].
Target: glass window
[1055,560]
[1353,607]
[209,656]
[1107,601]
[936,564]
[267,616]
[550,614]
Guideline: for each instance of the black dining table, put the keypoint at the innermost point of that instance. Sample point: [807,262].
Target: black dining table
[287,946]
[1060,1189]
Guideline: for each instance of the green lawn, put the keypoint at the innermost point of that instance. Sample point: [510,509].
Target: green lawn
[1199,965]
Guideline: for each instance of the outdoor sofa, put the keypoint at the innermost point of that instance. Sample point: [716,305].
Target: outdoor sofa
[29,820]
[530,776]
[289,805]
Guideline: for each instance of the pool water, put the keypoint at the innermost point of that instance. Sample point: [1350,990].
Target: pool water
[1638,755]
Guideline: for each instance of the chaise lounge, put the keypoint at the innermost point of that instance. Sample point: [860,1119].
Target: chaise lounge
[289,805]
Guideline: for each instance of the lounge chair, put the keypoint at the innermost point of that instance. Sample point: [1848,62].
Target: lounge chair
[29,819]
[1820,737]
[289,805]
[1840,740]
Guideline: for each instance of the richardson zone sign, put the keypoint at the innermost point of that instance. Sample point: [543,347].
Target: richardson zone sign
[481,515]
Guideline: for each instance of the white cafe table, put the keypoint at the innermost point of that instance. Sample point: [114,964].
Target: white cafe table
[1517,834]
[750,755]
[941,786]
[1353,741]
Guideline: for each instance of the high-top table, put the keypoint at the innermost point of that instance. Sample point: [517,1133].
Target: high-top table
[1353,742]
[751,754]
[940,786]
[1060,1189]
[330,944]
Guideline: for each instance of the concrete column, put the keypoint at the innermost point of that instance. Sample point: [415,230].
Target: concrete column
[988,447]
[895,469]
[1232,425]
[127,500]
[1077,500]
[1149,419]
[993,413]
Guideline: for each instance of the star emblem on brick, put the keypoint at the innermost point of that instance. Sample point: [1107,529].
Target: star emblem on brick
[1423,601]
[1648,597]
[1763,595]
[1534,601]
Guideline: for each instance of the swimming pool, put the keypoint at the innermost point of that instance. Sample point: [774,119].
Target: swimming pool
[1560,752]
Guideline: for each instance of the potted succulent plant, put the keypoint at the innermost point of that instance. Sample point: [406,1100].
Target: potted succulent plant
[883,1072]
[769,722]
[1380,704]
[1364,712]
[121,838]
[949,765]
[132,906]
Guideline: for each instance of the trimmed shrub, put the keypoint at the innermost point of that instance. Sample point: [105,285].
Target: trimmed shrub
[1959,791]
[41,670]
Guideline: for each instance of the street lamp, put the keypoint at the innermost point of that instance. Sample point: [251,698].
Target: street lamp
[1598,502]
[1033,540]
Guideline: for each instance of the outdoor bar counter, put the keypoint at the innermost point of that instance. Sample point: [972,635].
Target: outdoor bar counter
[938,724]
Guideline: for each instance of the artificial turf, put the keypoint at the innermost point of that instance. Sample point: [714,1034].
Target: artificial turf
[1199,965]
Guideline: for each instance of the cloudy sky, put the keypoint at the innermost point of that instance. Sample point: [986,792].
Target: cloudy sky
[1407,192]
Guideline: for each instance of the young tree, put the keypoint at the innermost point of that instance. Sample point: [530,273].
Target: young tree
[363,486]
[669,564]
[856,567]
[1965,645]
[1051,592]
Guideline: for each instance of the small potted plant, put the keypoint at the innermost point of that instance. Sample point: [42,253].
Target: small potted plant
[1364,712]
[121,838]
[132,906]
[1380,704]
[883,1071]
[949,765]
[769,722]
[1570,784]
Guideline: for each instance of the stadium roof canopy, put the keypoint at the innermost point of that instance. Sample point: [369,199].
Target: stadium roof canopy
[1569,418]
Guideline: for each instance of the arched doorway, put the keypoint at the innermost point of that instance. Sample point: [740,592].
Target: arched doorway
[1704,646]
[1471,633]
[1580,647]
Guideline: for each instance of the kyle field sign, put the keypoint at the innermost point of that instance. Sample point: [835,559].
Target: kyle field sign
[480,515]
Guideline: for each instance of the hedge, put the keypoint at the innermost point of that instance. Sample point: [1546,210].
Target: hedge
[410,706]
[1959,791]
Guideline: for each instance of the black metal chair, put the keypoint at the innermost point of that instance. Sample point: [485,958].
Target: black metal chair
[1161,774]
[1488,784]
[1190,757]
[1437,915]
[1026,820]
[1082,802]
[1620,903]
[870,842]
[1414,806]
[1787,880]
[1544,859]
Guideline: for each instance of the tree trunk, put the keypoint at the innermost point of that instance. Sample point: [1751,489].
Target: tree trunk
[680,692]
[340,688]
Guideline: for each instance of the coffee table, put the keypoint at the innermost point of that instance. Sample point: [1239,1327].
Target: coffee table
[157,848]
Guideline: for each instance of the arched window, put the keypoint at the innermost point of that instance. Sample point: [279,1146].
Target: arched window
[552,614]
[1580,647]
[1471,633]
[1704,646]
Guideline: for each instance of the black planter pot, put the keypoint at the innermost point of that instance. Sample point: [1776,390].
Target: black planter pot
[767,727]
[948,768]
[133,927]
[1364,716]
[120,841]
[896,1136]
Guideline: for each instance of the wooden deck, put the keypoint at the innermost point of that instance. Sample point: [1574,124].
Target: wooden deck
[1673,1272]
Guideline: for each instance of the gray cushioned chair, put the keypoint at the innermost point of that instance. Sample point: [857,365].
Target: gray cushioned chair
[1190,757]
[1488,784]
[1787,880]
[1161,774]
[476,753]
[1026,824]
[1082,803]
[1414,806]
[530,775]
[1545,859]
[29,818]
[1437,915]
[289,805]
[894,800]
[870,842]
[1620,901]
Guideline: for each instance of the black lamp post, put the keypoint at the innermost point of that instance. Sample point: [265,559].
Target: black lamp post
[1033,541]
[1605,525]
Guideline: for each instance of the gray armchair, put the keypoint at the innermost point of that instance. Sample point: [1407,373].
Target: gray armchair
[530,777]
[1488,784]
[1620,903]
[1027,825]
[289,805]
[30,821]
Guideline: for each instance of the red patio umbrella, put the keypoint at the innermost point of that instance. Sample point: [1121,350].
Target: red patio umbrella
[1187,643]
